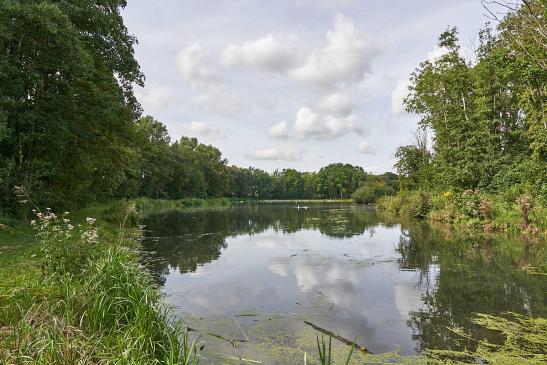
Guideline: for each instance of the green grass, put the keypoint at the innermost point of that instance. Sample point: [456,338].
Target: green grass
[325,351]
[146,205]
[154,206]
[469,211]
[107,312]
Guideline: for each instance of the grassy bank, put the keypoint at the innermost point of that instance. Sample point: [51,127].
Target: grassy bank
[146,205]
[72,292]
[472,210]
[305,201]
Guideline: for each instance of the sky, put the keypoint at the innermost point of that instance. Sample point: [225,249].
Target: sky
[291,83]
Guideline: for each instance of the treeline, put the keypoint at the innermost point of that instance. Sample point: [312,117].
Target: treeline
[487,117]
[71,131]
[187,168]
[67,108]
[487,163]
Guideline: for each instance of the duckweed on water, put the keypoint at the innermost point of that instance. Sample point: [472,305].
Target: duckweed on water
[275,340]
[525,342]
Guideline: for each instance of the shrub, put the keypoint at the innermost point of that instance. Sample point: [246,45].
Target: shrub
[469,203]
[525,204]
[66,248]
[486,208]
[367,194]
[423,205]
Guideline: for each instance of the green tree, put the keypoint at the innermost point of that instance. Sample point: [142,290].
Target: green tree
[339,181]
[293,183]
[198,170]
[156,158]
[66,99]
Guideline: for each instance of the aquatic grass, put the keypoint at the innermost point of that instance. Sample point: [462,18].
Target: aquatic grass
[525,339]
[146,205]
[325,351]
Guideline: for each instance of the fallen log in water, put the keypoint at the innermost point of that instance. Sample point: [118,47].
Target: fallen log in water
[338,337]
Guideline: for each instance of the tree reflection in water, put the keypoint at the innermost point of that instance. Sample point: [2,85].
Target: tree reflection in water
[476,275]
[457,275]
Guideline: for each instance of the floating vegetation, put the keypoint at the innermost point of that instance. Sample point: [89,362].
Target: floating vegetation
[525,342]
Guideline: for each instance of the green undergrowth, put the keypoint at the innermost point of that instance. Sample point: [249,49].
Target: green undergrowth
[72,292]
[145,204]
[472,210]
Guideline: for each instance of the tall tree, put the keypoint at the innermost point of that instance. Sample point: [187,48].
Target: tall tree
[66,101]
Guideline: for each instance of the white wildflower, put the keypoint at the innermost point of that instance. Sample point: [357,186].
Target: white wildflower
[90,236]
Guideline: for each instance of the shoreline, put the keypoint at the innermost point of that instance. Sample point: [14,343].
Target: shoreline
[36,308]
[470,211]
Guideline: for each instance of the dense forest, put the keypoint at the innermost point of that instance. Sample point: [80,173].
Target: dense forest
[479,156]
[187,168]
[486,116]
[71,131]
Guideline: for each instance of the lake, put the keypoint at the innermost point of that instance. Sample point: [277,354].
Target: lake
[246,278]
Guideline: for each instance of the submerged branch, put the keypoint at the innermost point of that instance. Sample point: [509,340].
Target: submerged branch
[338,337]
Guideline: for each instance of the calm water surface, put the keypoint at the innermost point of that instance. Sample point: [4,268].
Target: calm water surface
[253,271]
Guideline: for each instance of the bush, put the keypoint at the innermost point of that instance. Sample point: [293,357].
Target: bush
[367,194]
[66,248]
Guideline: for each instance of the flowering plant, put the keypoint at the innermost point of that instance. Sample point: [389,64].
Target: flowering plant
[65,247]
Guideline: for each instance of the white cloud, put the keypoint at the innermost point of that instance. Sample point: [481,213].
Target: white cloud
[310,124]
[212,92]
[153,98]
[398,95]
[325,3]
[344,59]
[364,147]
[275,154]
[337,103]
[193,68]
[200,129]
[279,130]
[266,54]
[219,100]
